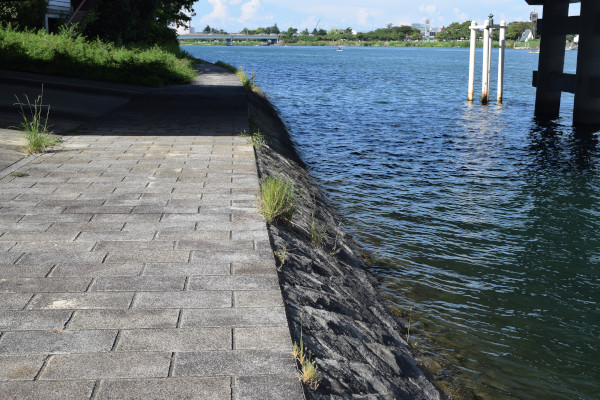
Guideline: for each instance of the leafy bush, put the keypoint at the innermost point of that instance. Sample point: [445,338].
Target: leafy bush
[70,54]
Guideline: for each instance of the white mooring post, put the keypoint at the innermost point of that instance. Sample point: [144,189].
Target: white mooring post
[488,37]
[485,75]
[501,60]
[472,61]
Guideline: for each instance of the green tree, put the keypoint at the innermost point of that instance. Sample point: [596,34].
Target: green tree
[515,30]
[208,29]
[24,14]
[455,31]
[131,21]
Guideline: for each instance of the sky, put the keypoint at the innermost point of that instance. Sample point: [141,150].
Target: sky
[361,15]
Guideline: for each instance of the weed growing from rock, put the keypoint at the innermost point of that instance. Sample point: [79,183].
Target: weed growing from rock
[281,255]
[35,124]
[309,374]
[257,139]
[317,232]
[277,201]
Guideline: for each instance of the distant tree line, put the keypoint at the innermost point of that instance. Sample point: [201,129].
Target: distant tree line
[454,32]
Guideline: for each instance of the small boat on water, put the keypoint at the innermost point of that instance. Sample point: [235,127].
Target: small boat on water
[339,49]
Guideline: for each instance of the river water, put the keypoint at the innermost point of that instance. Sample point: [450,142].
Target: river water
[482,222]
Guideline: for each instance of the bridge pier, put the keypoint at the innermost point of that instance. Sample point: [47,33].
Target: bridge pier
[587,89]
[229,42]
[550,79]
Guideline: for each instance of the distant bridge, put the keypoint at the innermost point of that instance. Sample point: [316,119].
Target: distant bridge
[271,38]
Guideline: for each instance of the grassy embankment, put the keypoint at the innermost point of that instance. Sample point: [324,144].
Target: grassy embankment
[69,54]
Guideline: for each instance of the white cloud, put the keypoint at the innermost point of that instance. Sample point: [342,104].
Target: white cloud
[219,12]
[461,16]
[428,9]
[249,10]
[363,16]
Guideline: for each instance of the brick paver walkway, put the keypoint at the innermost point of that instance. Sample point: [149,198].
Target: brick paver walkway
[138,267]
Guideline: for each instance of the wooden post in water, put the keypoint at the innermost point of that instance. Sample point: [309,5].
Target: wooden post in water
[485,73]
[472,61]
[587,89]
[501,61]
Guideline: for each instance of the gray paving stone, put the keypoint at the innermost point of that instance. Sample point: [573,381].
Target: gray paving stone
[215,245]
[74,301]
[113,365]
[138,283]
[53,218]
[192,235]
[187,269]
[57,390]
[214,299]
[235,282]
[57,341]
[126,217]
[195,217]
[63,236]
[268,387]
[236,362]
[148,256]
[234,317]
[92,270]
[18,368]
[14,301]
[33,320]
[98,210]
[14,227]
[67,247]
[38,285]
[124,319]
[258,298]
[179,340]
[62,257]
[159,226]
[253,268]
[214,388]
[9,258]
[100,236]
[262,337]
[24,271]
[230,256]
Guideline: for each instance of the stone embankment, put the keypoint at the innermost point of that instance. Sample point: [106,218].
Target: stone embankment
[329,294]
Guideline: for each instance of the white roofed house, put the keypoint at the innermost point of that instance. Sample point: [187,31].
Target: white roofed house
[66,11]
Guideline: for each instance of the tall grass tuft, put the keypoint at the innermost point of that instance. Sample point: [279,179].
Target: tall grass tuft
[68,53]
[277,201]
[35,123]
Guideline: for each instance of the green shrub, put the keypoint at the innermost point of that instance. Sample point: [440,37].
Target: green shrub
[70,54]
